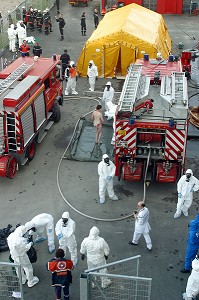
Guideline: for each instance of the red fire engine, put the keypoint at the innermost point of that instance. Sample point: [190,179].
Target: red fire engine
[30,93]
[152,120]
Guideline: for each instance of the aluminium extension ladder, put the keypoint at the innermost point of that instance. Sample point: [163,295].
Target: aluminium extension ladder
[178,87]
[129,92]
[6,83]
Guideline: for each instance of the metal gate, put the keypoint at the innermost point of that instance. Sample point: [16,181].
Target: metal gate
[10,283]
[122,282]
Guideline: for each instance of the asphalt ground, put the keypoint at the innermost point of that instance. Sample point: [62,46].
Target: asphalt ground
[34,189]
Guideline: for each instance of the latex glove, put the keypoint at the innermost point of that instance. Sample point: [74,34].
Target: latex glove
[191,190]
[179,195]
[82,256]
[109,177]
[106,257]
[59,236]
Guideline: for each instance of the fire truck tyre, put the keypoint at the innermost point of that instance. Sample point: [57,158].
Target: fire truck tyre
[30,151]
[11,168]
[56,113]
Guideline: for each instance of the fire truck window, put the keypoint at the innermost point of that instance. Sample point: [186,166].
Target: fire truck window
[52,77]
[47,84]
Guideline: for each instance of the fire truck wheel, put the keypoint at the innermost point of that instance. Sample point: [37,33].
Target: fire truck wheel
[56,113]
[30,151]
[11,168]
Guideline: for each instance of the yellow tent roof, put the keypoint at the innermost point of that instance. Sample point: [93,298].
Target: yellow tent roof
[121,37]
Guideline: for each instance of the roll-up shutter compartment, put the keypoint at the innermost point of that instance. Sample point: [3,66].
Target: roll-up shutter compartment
[27,125]
[40,110]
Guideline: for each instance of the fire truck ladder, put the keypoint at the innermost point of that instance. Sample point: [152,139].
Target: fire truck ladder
[179,88]
[6,83]
[130,89]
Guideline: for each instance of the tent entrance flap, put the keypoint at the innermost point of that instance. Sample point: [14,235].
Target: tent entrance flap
[128,56]
[111,55]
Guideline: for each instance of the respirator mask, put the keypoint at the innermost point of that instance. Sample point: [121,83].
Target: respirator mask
[188,176]
[64,221]
[106,160]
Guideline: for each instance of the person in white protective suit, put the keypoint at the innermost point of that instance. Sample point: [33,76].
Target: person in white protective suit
[192,289]
[92,74]
[19,246]
[96,250]
[65,232]
[41,223]
[21,32]
[106,171]
[108,94]
[71,75]
[142,226]
[185,187]
[12,37]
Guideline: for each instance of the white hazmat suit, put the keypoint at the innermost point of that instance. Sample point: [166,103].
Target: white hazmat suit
[106,171]
[108,94]
[185,187]
[142,227]
[43,222]
[72,79]
[92,74]
[65,232]
[12,38]
[192,289]
[19,246]
[21,32]
[96,249]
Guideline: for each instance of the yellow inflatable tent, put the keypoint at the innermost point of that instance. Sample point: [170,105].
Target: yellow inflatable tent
[121,37]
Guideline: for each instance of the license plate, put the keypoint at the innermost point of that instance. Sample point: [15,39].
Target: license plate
[122,132]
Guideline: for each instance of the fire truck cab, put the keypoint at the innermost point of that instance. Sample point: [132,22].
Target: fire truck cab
[30,99]
[151,121]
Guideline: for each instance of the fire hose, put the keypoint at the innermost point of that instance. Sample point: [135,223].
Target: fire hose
[145,175]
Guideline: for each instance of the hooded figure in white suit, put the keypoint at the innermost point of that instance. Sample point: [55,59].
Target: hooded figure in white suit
[65,232]
[108,94]
[12,38]
[142,226]
[185,187]
[106,171]
[43,222]
[96,250]
[19,247]
[92,74]
[192,289]
[21,32]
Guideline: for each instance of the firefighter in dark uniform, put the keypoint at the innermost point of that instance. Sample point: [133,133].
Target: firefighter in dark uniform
[46,22]
[49,19]
[35,12]
[65,60]
[24,15]
[39,20]
[83,23]
[62,23]
[31,20]
[37,50]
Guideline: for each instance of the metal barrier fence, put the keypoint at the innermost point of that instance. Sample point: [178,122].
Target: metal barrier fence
[118,280]
[10,283]
[16,15]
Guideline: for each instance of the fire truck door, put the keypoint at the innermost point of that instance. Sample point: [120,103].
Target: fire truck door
[39,104]
[111,55]
[27,122]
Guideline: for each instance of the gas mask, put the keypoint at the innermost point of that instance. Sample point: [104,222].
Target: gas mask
[188,176]
[108,87]
[73,66]
[90,65]
[106,160]
[64,221]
